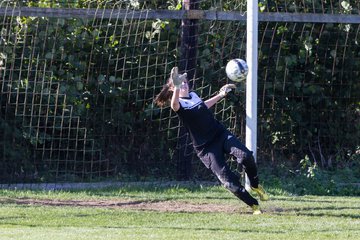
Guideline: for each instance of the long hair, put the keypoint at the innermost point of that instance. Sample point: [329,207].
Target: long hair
[163,98]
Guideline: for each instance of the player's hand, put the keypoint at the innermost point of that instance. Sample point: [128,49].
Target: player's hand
[224,90]
[177,78]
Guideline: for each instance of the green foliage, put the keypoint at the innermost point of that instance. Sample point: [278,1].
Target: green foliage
[91,81]
[16,152]
[304,83]
[308,88]
[308,179]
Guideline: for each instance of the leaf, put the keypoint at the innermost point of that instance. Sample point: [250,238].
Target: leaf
[61,21]
[297,84]
[333,53]
[101,78]
[308,45]
[49,55]
[79,86]
[346,5]
[148,35]
[112,79]
[63,89]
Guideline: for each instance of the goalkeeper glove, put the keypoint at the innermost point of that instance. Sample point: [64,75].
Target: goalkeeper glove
[177,79]
[226,89]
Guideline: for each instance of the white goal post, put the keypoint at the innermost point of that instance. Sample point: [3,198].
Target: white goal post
[251,81]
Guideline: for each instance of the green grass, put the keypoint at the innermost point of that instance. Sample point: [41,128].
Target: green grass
[285,217]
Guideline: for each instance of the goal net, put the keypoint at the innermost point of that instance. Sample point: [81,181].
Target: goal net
[78,83]
[78,79]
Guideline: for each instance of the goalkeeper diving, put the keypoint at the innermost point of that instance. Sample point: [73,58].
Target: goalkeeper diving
[210,139]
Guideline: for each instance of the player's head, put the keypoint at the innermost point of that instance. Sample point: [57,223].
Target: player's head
[184,87]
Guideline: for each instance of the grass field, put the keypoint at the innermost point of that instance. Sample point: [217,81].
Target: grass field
[172,212]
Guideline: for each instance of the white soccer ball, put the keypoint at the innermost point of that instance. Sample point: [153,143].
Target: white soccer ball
[237,70]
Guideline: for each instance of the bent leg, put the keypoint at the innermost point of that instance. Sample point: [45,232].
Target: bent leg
[228,178]
[243,156]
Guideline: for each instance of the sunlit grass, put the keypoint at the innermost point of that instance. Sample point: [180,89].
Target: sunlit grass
[285,217]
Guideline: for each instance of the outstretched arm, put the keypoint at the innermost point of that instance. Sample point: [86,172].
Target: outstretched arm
[177,80]
[211,101]
[222,93]
[175,104]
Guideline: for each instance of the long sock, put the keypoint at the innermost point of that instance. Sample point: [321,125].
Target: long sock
[243,195]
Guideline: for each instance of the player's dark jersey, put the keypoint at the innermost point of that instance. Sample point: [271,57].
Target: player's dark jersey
[198,120]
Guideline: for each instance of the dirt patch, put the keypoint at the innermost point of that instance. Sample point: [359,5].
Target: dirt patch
[161,206]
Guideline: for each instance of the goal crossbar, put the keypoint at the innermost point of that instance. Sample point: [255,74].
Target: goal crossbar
[180,14]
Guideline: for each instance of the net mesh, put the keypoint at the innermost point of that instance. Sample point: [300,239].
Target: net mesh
[77,91]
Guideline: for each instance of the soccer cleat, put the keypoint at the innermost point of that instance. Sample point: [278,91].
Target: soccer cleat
[256,209]
[261,192]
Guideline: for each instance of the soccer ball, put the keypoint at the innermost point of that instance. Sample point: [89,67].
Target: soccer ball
[237,70]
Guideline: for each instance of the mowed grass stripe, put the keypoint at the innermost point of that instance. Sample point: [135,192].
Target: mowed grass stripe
[286,217]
